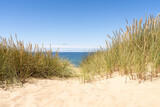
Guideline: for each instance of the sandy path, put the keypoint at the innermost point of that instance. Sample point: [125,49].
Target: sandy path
[113,92]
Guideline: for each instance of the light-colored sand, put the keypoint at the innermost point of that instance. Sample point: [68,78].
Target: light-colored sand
[113,92]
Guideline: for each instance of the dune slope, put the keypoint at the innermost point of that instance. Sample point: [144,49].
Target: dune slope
[112,92]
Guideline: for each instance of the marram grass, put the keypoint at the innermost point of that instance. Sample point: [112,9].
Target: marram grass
[19,62]
[134,52]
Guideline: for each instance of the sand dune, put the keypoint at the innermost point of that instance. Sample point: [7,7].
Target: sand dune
[112,92]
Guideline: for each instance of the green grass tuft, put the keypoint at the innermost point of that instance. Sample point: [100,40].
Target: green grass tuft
[19,62]
[134,52]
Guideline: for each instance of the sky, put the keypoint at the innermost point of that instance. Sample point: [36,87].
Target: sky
[70,25]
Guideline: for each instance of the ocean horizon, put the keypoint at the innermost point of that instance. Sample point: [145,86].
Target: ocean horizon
[74,57]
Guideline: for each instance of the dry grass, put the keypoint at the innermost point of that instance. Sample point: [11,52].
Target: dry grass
[134,52]
[19,62]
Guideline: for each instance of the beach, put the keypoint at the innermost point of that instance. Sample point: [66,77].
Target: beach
[113,92]
[79,53]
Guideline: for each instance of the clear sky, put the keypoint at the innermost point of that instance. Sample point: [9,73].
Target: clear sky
[71,25]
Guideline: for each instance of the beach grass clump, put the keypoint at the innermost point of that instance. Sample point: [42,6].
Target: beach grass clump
[19,62]
[134,52]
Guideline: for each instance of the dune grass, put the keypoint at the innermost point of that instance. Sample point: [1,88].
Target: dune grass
[134,52]
[19,62]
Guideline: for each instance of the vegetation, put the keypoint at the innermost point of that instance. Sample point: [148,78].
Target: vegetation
[134,52]
[18,62]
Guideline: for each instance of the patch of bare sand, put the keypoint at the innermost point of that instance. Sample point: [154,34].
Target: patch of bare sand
[113,92]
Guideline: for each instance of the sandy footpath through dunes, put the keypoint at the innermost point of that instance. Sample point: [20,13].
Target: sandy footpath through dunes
[112,92]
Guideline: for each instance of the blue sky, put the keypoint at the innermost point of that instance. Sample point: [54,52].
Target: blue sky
[71,25]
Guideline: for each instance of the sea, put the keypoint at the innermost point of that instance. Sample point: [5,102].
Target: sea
[74,57]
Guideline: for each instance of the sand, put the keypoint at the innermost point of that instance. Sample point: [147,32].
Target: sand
[113,92]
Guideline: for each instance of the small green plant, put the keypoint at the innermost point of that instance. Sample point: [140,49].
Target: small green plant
[134,52]
[19,62]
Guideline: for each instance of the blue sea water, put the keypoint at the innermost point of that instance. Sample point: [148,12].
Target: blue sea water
[74,57]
